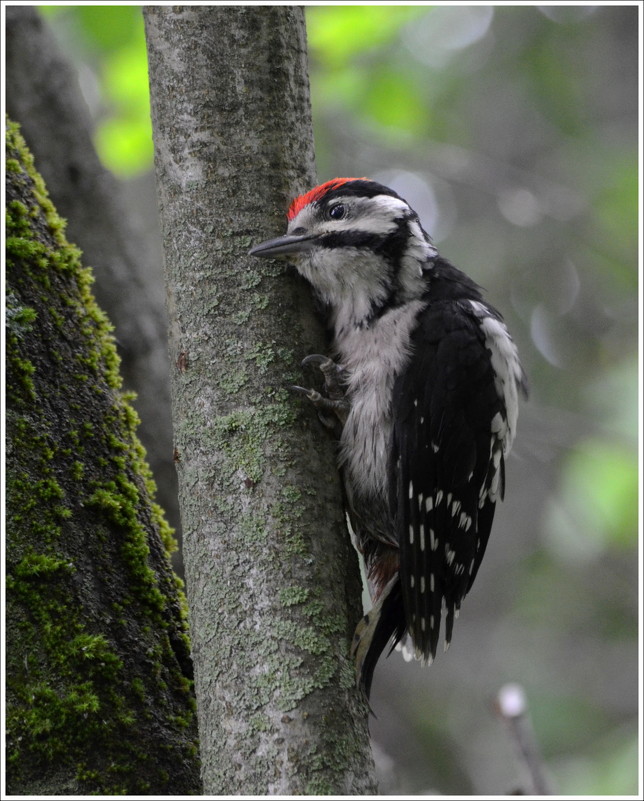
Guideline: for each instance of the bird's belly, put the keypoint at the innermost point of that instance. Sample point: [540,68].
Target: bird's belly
[365,444]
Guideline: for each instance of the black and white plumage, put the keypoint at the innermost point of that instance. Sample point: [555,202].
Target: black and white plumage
[431,380]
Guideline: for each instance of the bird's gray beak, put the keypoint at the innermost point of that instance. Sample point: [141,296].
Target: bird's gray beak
[282,246]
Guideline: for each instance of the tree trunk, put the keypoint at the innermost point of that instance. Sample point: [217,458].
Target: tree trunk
[273,584]
[45,98]
[98,691]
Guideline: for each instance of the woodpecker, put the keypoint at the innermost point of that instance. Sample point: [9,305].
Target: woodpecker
[424,380]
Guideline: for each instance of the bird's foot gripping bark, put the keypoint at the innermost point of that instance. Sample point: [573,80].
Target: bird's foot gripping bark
[332,406]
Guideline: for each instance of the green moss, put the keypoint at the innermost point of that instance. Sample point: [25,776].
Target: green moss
[72,701]
[56,720]
[22,387]
[119,503]
[18,319]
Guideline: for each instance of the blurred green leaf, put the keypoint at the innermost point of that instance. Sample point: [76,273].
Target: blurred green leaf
[337,34]
[564,723]
[124,139]
[105,28]
[611,769]
[112,27]
[126,77]
[110,40]
[612,397]
[597,503]
[392,101]
[603,475]
[125,145]
[616,206]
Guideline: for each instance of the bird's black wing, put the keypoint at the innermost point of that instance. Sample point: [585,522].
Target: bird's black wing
[446,468]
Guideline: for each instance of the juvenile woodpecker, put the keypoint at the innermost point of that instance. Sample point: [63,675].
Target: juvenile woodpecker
[425,381]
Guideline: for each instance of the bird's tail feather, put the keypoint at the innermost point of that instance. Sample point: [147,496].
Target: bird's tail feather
[381,624]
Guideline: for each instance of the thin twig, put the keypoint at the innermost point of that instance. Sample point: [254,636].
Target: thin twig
[512,708]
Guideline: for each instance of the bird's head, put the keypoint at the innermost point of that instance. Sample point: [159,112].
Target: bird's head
[357,242]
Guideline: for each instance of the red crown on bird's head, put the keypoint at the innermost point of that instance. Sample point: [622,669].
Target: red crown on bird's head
[315,194]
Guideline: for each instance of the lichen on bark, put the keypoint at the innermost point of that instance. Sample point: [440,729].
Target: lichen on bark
[272,579]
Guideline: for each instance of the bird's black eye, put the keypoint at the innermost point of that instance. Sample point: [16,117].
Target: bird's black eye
[337,212]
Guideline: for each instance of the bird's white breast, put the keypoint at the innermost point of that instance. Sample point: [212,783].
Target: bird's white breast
[373,357]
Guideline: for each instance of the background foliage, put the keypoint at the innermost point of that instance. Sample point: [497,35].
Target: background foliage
[513,132]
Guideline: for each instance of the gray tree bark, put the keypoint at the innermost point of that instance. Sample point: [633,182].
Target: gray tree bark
[45,98]
[272,580]
[99,696]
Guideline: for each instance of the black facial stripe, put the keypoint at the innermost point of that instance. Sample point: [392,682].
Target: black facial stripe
[390,245]
[366,240]
[395,243]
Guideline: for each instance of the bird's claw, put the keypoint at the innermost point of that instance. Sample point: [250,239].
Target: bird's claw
[312,394]
[331,405]
[333,374]
[329,410]
[317,359]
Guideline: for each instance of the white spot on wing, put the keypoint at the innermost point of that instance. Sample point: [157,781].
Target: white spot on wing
[464,521]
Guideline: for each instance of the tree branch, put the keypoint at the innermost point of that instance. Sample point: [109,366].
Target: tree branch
[272,580]
[512,708]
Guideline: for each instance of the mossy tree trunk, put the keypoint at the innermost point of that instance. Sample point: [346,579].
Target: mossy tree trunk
[46,100]
[99,694]
[272,580]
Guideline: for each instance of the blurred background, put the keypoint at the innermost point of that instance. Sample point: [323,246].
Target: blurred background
[513,132]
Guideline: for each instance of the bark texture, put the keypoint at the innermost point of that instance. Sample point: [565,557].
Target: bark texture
[45,98]
[99,696]
[273,584]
